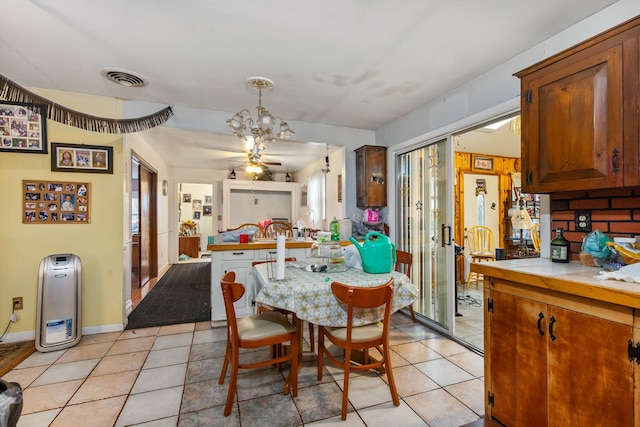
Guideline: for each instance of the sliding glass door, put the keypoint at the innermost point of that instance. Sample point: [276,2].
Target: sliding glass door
[424,215]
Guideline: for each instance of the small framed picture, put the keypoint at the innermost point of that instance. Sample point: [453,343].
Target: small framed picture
[196,215]
[482,164]
[208,200]
[196,205]
[81,158]
[186,198]
[206,210]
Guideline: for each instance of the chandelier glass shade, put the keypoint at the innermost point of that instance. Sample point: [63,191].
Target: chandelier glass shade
[262,126]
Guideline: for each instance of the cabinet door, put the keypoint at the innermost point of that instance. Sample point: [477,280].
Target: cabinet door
[244,306]
[371,175]
[572,123]
[361,183]
[518,359]
[590,375]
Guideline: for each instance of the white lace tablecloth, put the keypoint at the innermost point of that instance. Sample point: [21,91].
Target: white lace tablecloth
[309,294]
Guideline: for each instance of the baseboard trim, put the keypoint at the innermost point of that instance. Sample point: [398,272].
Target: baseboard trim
[88,330]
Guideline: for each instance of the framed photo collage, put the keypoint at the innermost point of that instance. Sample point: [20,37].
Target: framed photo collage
[56,202]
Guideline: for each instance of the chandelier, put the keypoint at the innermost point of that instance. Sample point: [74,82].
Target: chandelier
[261,127]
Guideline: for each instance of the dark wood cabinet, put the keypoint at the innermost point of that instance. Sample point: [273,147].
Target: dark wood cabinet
[537,376]
[580,115]
[371,176]
[189,245]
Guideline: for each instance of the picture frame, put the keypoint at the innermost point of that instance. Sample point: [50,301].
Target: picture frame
[196,214]
[81,158]
[484,164]
[208,199]
[56,202]
[196,205]
[23,127]
[207,210]
[186,198]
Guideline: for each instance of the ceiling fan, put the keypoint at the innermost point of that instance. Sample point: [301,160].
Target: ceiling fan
[256,165]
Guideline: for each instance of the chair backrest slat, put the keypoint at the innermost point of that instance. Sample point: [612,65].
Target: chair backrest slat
[403,262]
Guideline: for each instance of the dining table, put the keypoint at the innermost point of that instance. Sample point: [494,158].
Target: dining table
[308,294]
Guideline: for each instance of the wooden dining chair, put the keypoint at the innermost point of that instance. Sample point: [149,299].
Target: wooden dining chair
[264,308]
[481,248]
[278,227]
[403,265]
[249,225]
[258,330]
[535,237]
[375,335]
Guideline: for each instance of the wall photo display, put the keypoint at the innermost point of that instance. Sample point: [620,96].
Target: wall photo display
[23,127]
[81,158]
[56,202]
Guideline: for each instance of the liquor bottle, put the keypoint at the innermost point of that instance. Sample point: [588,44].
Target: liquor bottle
[335,229]
[559,247]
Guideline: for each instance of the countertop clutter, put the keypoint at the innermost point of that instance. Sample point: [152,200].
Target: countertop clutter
[266,244]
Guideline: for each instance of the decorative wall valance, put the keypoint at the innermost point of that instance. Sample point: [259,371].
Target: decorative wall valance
[11,91]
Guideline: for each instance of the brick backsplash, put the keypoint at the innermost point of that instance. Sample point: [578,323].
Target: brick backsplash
[614,212]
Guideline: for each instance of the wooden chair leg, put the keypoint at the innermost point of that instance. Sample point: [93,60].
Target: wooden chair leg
[232,383]
[311,337]
[413,315]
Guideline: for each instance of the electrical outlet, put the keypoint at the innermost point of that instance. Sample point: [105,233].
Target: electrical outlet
[17,303]
[583,220]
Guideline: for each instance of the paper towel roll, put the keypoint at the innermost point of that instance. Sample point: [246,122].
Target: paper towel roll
[280,249]
[345,229]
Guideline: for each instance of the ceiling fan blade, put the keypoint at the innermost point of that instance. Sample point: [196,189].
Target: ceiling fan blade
[272,163]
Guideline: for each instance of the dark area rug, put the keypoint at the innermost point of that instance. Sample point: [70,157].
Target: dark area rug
[182,295]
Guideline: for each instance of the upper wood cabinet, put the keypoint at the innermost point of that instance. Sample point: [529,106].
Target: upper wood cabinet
[580,122]
[371,176]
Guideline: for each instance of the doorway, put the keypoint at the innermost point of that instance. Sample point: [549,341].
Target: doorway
[486,158]
[196,215]
[144,260]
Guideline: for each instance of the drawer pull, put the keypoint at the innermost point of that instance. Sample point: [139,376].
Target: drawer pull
[540,317]
[551,322]
[614,160]
[237,253]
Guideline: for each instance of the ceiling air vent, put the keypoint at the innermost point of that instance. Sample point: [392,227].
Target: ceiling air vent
[123,77]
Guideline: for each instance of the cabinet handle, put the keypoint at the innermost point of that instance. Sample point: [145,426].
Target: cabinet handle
[551,322]
[614,160]
[530,177]
[540,317]
[237,253]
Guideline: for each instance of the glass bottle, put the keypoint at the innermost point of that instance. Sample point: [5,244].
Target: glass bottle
[335,229]
[559,247]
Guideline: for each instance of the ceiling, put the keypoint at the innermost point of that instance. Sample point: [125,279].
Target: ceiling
[352,63]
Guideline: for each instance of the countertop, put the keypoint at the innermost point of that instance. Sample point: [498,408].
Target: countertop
[571,278]
[265,244]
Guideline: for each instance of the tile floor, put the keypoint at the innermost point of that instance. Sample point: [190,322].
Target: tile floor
[168,376]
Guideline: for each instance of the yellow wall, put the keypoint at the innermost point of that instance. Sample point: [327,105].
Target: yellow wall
[98,244]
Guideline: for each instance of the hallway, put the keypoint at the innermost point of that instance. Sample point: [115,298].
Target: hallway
[167,376]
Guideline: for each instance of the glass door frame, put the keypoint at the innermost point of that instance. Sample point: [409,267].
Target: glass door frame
[445,240]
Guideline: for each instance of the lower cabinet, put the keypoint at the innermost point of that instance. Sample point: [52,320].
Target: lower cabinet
[556,360]
[222,262]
